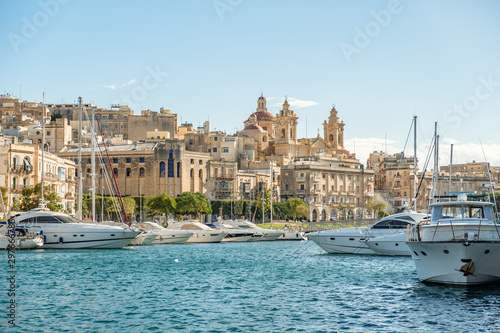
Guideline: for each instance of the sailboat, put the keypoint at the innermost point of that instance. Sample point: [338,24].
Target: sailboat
[62,231]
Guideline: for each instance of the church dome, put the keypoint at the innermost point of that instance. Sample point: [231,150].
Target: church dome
[263,115]
[254,128]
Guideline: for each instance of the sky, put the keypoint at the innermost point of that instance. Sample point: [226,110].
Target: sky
[379,62]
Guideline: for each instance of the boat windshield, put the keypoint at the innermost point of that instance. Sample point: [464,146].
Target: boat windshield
[462,212]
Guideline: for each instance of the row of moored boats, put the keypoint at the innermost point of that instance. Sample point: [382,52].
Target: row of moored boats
[457,244]
[43,228]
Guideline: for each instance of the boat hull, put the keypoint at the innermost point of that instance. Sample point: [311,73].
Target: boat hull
[341,242]
[457,263]
[390,245]
[204,236]
[171,239]
[292,235]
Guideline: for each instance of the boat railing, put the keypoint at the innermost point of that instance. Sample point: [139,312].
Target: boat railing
[337,224]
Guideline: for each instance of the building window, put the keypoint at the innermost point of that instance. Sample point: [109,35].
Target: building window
[128,172]
[89,161]
[115,172]
[200,162]
[115,160]
[170,164]
[214,150]
[178,169]
[48,133]
[162,169]
[129,160]
[215,172]
[225,150]
[200,174]
[191,173]
[141,172]
[215,138]
[141,159]
[192,161]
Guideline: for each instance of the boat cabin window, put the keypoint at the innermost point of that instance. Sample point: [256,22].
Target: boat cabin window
[391,224]
[462,211]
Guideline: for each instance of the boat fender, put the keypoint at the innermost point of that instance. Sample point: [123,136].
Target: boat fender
[44,239]
[160,238]
[60,240]
[41,232]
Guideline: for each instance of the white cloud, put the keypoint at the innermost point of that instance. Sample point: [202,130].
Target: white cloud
[295,103]
[114,87]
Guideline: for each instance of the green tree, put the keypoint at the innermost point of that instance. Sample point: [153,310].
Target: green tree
[161,204]
[30,198]
[193,204]
[378,207]
[3,192]
[298,208]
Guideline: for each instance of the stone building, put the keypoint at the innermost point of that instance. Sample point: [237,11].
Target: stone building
[22,167]
[146,169]
[334,188]
[15,112]
[120,120]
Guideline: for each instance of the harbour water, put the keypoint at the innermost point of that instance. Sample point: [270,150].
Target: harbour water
[236,287]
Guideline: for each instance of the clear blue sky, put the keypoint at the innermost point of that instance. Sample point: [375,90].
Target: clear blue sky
[379,62]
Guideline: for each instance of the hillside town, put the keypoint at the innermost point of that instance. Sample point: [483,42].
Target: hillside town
[150,154]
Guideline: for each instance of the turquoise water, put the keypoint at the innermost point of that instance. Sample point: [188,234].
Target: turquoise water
[240,287]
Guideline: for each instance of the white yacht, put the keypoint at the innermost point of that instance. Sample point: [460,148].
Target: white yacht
[201,232]
[292,235]
[351,240]
[389,245]
[62,231]
[143,239]
[459,246]
[232,234]
[260,234]
[164,235]
[24,238]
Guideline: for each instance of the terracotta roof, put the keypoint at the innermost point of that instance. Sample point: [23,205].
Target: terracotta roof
[253,127]
[262,115]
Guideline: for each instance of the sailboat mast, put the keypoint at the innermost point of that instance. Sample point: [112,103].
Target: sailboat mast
[80,180]
[451,163]
[92,162]
[272,169]
[436,163]
[42,199]
[414,163]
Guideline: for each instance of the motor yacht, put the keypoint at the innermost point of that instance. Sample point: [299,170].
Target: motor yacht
[201,232]
[143,239]
[62,231]
[292,235]
[164,235]
[232,234]
[460,245]
[260,234]
[352,240]
[24,238]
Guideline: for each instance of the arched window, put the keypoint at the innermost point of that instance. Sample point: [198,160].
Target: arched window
[128,172]
[215,172]
[170,164]
[191,173]
[162,169]
[115,172]
[200,174]
[222,171]
[283,133]
[178,169]
[331,137]
[141,172]
[264,138]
